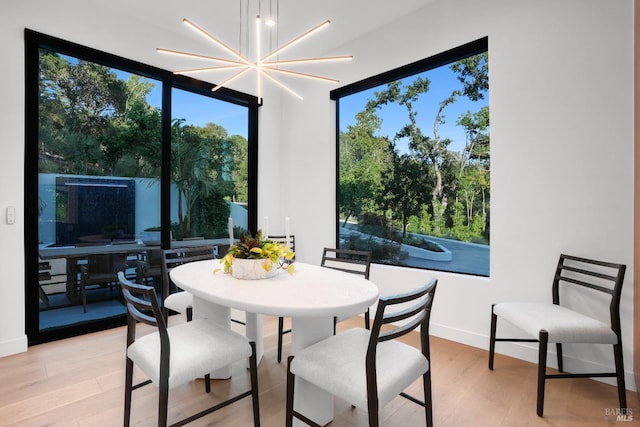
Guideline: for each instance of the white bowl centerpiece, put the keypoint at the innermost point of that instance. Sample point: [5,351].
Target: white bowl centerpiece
[256,258]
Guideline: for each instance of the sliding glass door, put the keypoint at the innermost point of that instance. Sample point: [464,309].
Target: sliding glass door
[122,160]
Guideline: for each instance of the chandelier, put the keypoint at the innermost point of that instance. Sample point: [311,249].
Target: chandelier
[266,66]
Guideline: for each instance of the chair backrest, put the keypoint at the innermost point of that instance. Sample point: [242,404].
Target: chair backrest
[153,257]
[142,306]
[172,258]
[348,260]
[600,276]
[399,315]
[106,264]
[283,241]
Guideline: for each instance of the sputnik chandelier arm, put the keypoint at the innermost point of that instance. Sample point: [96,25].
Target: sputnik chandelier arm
[262,65]
[308,60]
[198,56]
[216,41]
[296,40]
[296,73]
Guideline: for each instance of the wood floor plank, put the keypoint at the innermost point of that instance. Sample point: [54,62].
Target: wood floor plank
[80,382]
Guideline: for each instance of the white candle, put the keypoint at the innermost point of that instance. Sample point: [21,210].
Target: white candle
[265,230]
[287,230]
[230,231]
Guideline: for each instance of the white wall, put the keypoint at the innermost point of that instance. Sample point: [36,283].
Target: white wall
[561,145]
[561,139]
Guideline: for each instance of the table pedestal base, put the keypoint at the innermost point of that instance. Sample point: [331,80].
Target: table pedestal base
[220,314]
[313,402]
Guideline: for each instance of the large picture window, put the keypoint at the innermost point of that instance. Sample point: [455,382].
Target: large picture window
[414,163]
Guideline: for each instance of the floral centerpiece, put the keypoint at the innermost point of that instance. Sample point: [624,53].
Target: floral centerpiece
[256,258]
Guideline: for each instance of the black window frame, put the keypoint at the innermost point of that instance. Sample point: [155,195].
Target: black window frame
[34,41]
[450,56]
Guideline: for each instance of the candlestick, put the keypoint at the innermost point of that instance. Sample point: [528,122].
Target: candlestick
[230,232]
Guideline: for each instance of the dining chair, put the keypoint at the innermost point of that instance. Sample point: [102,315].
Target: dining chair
[101,269]
[347,260]
[555,323]
[350,261]
[174,298]
[281,330]
[369,368]
[173,356]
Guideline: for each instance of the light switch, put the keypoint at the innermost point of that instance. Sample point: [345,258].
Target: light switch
[11,215]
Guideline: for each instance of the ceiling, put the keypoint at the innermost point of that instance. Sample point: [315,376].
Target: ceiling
[224,19]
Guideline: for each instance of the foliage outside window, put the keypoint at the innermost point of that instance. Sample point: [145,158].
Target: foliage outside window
[98,121]
[414,164]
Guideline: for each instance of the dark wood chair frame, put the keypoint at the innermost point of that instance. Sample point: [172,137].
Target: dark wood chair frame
[281,330]
[44,274]
[614,309]
[350,258]
[143,307]
[149,265]
[347,256]
[421,301]
[172,258]
[101,269]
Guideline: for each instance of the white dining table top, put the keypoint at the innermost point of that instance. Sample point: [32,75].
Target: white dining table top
[311,291]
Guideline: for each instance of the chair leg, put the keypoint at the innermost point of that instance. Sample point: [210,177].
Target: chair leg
[189,314]
[622,391]
[559,353]
[163,404]
[83,294]
[542,370]
[128,387]
[207,383]
[373,412]
[253,368]
[492,338]
[280,334]
[428,407]
[367,315]
[290,386]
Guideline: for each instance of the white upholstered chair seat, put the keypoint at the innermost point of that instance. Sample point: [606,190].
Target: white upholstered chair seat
[564,325]
[337,365]
[197,348]
[179,301]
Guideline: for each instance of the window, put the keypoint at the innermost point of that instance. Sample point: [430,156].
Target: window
[115,149]
[414,163]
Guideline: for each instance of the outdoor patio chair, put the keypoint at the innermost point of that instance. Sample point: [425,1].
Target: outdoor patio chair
[102,270]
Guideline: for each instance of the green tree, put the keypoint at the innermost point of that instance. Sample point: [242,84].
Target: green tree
[237,167]
[197,161]
[405,189]
[364,159]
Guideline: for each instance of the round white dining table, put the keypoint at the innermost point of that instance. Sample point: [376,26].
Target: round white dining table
[312,296]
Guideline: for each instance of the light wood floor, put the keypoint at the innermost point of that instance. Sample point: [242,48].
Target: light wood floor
[79,382]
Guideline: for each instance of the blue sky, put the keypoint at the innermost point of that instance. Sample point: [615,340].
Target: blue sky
[200,110]
[195,109]
[394,117]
